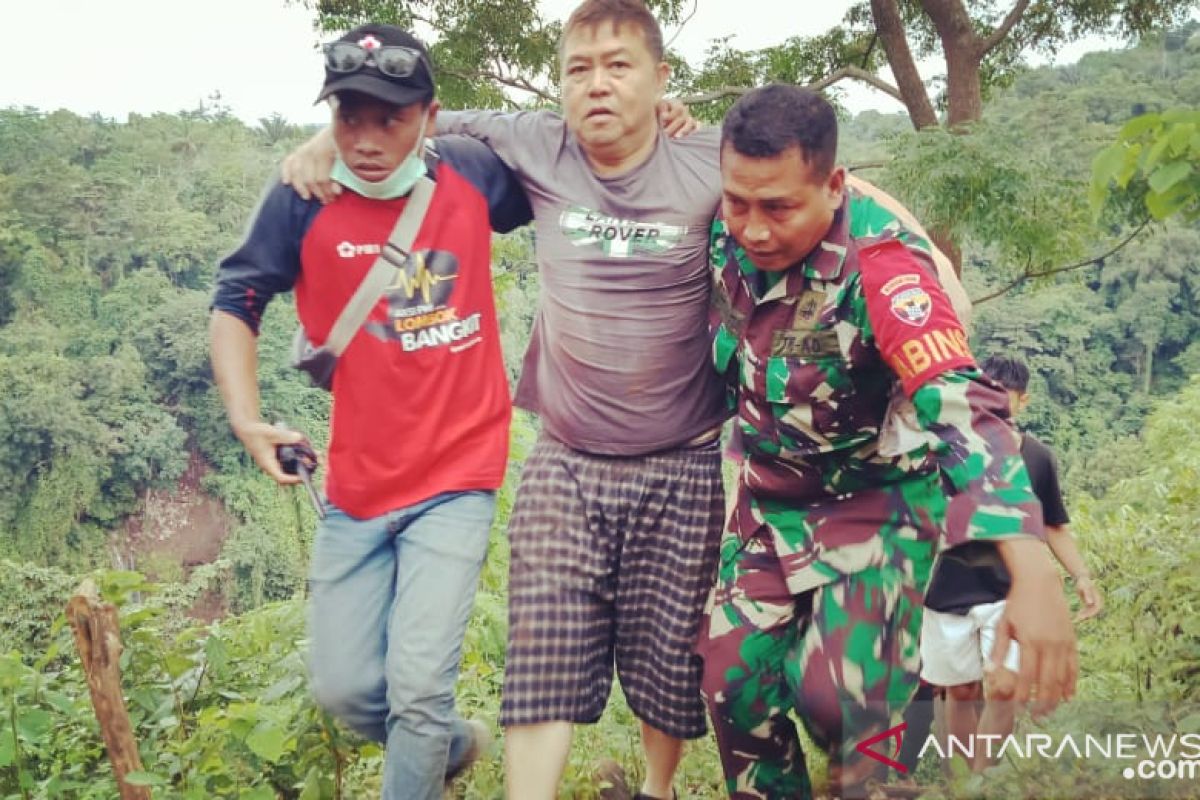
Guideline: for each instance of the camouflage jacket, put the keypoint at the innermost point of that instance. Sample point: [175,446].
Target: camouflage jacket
[866,428]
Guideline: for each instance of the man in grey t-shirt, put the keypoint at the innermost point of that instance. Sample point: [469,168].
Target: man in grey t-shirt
[618,515]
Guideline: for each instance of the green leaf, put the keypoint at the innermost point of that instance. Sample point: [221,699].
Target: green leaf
[1107,162]
[117,585]
[176,664]
[144,779]
[7,751]
[1164,204]
[217,653]
[1128,169]
[266,741]
[283,686]
[1156,153]
[258,793]
[33,724]
[312,785]
[59,701]
[11,670]
[1168,175]
[1139,125]
[1180,136]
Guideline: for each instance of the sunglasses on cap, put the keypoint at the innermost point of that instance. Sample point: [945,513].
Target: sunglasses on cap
[394,61]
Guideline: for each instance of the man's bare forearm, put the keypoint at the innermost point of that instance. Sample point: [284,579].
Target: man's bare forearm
[234,351]
[1063,545]
[1028,562]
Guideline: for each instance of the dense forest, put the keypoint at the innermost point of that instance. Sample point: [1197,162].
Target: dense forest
[116,460]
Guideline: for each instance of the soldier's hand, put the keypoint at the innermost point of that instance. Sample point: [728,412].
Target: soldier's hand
[260,440]
[1036,616]
[307,168]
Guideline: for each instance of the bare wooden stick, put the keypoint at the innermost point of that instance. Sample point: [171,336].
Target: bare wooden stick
[98,638]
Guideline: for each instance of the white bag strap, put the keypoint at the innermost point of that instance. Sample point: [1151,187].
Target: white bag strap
[392,257]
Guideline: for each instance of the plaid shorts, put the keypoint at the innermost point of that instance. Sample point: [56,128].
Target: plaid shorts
[612,560]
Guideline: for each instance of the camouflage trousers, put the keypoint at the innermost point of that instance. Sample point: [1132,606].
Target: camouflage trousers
[844,656]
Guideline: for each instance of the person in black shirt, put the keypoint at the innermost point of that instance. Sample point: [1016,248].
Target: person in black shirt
[965,601]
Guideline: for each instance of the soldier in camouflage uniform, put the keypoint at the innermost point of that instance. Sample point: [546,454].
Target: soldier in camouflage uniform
[866,428]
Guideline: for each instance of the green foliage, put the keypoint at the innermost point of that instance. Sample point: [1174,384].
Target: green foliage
[991,189]
[1142,539]
[109,236]
[31,599]
[1157,158]
[218,712]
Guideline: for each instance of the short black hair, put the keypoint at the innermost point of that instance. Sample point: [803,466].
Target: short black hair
[1009,372]
[765,122]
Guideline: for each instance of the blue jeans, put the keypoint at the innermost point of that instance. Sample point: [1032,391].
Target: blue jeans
[389,600]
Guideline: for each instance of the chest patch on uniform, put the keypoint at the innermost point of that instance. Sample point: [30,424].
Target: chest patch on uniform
[808,310]
[912,306]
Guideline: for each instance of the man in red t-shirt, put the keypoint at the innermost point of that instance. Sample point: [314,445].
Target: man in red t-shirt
[419,438]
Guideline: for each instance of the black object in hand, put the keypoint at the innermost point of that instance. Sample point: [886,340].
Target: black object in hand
[294,457]
[300,459]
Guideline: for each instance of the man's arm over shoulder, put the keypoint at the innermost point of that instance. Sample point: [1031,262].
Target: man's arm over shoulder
[267,261]
[524,140]
[508,205]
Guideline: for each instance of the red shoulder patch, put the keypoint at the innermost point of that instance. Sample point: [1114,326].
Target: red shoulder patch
[916,329]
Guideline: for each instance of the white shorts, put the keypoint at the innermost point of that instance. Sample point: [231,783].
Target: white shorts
[954,647]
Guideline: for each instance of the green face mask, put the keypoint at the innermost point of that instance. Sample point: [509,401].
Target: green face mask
[398,184]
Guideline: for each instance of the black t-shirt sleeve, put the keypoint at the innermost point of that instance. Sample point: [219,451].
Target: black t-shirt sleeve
[267,261]
[1043,474]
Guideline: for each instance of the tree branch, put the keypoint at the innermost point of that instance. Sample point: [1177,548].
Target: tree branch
[516,83]
[857,74]
[679,30]
[866,59]
[715,94]
[1025,276]
[824,83]
[1004,29]
[866,165]
[437,26]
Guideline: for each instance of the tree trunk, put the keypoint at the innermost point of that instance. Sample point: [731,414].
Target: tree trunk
[890,27]
[964,92]
[941,237]
[963,50]
[98,638]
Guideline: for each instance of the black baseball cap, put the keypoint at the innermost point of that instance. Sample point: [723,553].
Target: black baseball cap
[413,88]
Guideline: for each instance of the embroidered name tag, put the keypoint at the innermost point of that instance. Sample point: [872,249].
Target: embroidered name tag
[805,344]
